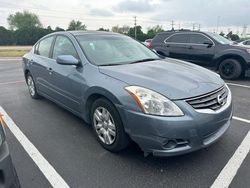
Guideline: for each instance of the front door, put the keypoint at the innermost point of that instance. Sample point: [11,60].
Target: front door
[67,81]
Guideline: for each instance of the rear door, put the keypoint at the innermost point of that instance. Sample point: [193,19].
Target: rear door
[177,45]
[39,64]
[199,51]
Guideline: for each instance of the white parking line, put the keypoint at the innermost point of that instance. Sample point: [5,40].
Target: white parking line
[227,174]
[239,85]
[241,119]
[14,82]
[46,168]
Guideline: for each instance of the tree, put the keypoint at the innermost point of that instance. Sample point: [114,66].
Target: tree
[102,29]
[124,29]
[25,19]
[229,35]
[235,37]
[59,29]
[222,34]
[139,33]
[153,31]
[76,25]
[5,36]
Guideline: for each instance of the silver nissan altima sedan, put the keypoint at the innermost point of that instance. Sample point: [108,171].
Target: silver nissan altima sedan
[129,93]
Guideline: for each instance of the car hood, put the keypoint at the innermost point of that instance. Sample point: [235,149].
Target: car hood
[173,78]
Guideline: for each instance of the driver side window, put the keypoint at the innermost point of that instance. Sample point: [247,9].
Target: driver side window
[63,46]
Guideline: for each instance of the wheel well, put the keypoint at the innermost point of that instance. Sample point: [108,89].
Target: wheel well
[161,53]
[25,73]
[91,99]
[236,57]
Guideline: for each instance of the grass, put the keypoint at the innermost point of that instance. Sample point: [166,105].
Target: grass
[12,52]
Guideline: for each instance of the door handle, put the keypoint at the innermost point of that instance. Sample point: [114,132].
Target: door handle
[190,47]
[31,61]
[50,70]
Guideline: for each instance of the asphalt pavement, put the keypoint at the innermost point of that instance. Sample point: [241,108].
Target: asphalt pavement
[70,147]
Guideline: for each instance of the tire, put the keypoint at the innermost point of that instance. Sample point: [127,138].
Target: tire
[32,87]
[230,69]
[105,120]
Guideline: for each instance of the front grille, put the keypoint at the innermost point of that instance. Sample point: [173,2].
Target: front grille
[213,100]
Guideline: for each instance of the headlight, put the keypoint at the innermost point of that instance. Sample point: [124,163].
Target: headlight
[153,103]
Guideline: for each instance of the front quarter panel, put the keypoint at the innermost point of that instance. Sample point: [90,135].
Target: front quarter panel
[109,87]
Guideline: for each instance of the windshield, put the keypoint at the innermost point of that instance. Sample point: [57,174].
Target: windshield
[219,38]
[114,50]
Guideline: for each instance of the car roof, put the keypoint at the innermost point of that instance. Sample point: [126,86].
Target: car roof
[76,33]
[181,31]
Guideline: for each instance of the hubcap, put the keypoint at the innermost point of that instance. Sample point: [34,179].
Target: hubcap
[31,86]
[228,69]
[104,125]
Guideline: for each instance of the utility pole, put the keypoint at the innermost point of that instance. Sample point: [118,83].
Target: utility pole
[193,26]
[218,24]
[244,32]
[199,27]
[135,26]
[172,24]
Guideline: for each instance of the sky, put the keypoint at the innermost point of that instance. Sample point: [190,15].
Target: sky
[212,15]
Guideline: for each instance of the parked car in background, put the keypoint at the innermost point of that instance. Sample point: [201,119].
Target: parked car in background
[126,91]
[148,43]
[245,43]
[8,175]
[206,49]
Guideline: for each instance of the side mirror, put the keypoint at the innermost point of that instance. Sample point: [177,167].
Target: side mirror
[67,60]
[208,43]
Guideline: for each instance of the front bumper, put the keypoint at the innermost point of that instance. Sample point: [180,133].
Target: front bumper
[8,176]
[169,136]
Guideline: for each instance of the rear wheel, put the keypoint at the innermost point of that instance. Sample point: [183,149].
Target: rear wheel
[32,87]
[108,126]
[230,69]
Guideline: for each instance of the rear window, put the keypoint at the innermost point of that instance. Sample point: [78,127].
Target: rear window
[44,47]
[160,37]
[178,38]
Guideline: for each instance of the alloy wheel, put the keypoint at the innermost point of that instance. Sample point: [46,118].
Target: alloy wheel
[104,125]
[31,86]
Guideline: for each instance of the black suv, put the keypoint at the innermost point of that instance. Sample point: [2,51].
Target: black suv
[206,49]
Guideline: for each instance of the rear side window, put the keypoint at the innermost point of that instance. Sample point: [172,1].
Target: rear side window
[44,47]
[178,38]
[159,38]
[63,46]
[198,39]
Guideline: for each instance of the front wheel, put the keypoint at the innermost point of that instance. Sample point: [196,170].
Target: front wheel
[108,126]
[230,69]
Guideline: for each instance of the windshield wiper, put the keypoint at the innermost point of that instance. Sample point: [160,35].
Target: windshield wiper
[144,60]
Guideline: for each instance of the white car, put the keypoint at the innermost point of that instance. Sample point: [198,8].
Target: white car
[245,43]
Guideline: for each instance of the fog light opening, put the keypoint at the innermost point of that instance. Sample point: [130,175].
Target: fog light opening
[170,144]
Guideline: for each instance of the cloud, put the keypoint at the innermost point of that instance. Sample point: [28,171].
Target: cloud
[100,12]
[205,12]
[138,6]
